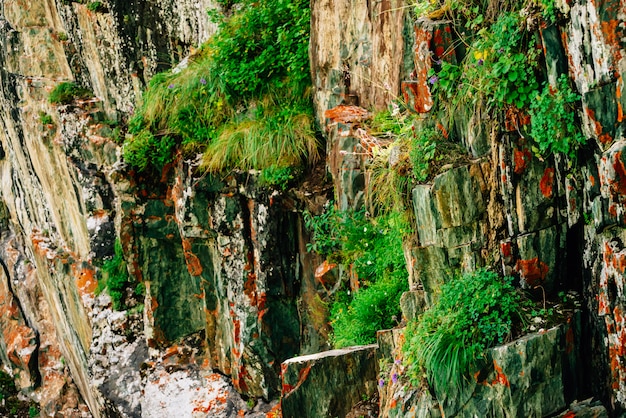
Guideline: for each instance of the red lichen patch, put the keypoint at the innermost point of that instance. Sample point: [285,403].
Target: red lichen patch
[514,119]
[532,271]
[500,376]
[20,345]
[546,183]
[592,180]
[610,29]
[618,183]
[194,267]
[521,158]
[237,331]
[347,114]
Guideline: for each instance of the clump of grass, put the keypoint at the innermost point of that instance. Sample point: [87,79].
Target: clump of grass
[45,118]
[242,99]
[474,312]
[68,91]
[274,133]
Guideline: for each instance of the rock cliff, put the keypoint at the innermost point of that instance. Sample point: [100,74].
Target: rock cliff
[221,295]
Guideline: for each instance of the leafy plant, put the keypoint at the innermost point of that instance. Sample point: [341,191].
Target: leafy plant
[243,99]
[553,122]
[95,6]
[278,177]
[68,91]
[373,249]
[422,152]
[474,312]
[45,118]
[498,69]
[115,278]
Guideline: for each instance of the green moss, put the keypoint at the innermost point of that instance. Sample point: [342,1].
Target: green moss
[68,91]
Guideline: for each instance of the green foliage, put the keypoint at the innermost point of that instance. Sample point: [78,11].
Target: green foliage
[45,118]
[356,319]
[549,10]
[373,248]
[473,312]
[33,411]
[422,152]
[499,69]
[264,44]
[147,150]
[243,98]
[66,92]
[278,177]
[10,402]
[553,122]
[115,278]
[95,6]
[62,36]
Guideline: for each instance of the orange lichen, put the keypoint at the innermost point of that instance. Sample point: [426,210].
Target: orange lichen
[500,376]
[547,182]
[533,271]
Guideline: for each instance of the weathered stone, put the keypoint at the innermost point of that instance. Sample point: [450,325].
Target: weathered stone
[328,383]
[412,303]
[367,57]
[539,258]
[585,409]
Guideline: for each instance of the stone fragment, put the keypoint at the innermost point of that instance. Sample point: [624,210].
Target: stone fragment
[328,383]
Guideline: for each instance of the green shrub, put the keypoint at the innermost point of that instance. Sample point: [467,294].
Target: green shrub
[45,118]
[553,120]
[68,91]
[115,278]
[373,249]
[499,68]
[262,46]
[95,6]
[278,177]
[243,99]
[474,312]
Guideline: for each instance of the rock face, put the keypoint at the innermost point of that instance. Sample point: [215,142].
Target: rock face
[229,285]
[531,376]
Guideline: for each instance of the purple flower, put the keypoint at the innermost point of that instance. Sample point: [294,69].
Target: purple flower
[394,378]
[381,383]
[432,80]
[480,62]
[203,81]
[398,361]
[438,62]
[171,86]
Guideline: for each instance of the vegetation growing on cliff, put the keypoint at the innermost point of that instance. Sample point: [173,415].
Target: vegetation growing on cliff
[474,312]
[243,99]
[496,63]
[371,248]
[66,92]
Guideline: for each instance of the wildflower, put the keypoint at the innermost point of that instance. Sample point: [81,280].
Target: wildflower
[364,229]
[480,62]
[369,262]
[432,80]
[398,361]
[381,383]
[171,86]
[203,81]
[394,378]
